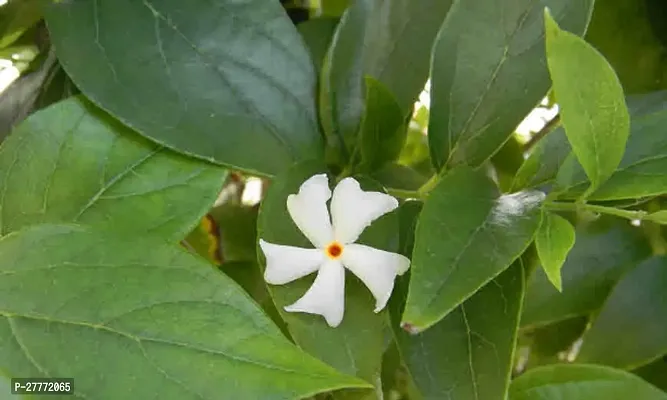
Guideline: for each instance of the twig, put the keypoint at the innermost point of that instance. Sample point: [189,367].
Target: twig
[548,127]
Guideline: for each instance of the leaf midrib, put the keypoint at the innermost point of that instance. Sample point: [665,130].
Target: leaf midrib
[482,96]
[113,181]
[272,128]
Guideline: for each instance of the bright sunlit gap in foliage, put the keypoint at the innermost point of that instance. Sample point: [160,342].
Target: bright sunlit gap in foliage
[8,73]
[533,123]
[536,120]
[252,193]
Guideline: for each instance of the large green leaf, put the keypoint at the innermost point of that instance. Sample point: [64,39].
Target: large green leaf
[621,31]
[544,160]
[357,344]
[383,131]
[591,100]
[507,161]
[226,81]
[658,216]
[400,179]
[469,353]
[642,170]
[554,240]
[73,163]
[551,152]
[333,7]
[582,382]
[249,276]
[396,379]
[489,70]
[648,103]
[105,311]
[16,17]
[388,40]
[317,34]
[631,329]
[639,173]
[467,234]
[603,252]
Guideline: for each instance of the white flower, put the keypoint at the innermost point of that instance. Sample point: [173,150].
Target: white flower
[352,210]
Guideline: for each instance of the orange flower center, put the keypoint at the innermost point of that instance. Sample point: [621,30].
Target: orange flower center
[334,250]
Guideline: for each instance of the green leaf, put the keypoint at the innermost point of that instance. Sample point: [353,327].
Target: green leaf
[658,216]
[73,163]
[401,35]
[224,81]
[647,103]
[638,175]
[507,162]
[581,382]
[408,215]
[603,252]
[396,379]
[467,234]
[317,34]
[398,178]
[16,17]
[105,311]
[591,100]
[544,160]
[553,151]
[356,346]
[469,353]
[6,389]
[554,240]
[641,172]
[621,30]
[396,383]
[383,130]
[631,329]
[490,55]
[333,7]
[249,276]
[380,39]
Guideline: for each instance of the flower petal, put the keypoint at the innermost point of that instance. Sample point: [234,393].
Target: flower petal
[326,296]
[287,263]
[377,269]
[353,209]
[308,210]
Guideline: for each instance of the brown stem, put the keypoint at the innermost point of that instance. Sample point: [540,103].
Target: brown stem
[548,127]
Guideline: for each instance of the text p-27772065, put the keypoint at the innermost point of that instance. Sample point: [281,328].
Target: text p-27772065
[42,385]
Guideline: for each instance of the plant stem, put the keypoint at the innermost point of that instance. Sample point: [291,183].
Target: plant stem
[629,214]
[428,186]
[404,194]
[550,125]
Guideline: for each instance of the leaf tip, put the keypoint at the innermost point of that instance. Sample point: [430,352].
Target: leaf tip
[556,281]
[550,24]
